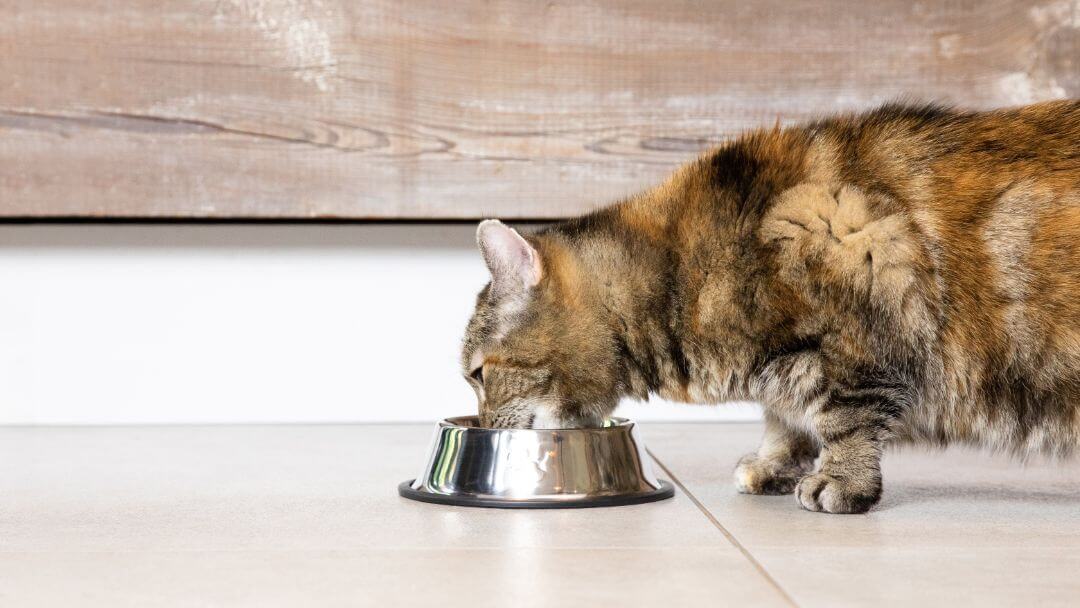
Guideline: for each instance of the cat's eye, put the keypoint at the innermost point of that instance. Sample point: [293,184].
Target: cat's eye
[478,374]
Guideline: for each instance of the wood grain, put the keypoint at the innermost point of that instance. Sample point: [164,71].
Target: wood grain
[433,109]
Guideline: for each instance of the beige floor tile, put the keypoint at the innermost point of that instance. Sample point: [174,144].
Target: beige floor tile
[314,487]
[473,578]
[274,514]
[954,525]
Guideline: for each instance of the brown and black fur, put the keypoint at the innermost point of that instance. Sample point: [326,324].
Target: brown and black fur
[907,274]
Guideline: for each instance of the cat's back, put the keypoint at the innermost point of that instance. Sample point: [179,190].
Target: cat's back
[946,242]
[995,197]
[948,163]
[992,200]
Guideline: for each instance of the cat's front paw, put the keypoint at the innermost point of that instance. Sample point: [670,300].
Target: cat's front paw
[823,492]
[757,475]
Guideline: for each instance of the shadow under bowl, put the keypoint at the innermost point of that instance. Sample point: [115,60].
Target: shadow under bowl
[537,468]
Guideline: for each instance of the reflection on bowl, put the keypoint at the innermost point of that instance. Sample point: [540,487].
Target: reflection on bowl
[536,468]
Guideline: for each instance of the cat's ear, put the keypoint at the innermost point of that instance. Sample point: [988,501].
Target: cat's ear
[513,262]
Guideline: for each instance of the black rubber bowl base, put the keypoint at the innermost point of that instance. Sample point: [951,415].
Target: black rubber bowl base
[666,490]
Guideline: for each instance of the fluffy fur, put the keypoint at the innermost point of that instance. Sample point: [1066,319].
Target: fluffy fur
[907,274]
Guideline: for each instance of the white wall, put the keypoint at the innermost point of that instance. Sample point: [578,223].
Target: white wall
[128,323]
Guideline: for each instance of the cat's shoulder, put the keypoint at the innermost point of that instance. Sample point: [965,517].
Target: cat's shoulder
[835,239]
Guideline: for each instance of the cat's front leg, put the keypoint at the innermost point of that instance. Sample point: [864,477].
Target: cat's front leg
[852,426]
[784,457]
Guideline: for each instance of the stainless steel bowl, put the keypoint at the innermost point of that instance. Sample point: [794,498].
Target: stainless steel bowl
[537,468]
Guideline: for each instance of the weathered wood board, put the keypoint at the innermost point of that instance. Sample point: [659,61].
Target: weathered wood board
[435,109]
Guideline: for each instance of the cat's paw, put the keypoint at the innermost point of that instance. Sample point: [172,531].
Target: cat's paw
[823,492]
[757,475]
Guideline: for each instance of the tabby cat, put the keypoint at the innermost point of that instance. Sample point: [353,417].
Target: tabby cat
[907,274]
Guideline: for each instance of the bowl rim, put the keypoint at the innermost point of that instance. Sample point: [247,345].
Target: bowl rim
[617,423]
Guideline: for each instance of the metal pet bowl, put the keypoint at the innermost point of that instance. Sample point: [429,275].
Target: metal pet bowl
[537,468]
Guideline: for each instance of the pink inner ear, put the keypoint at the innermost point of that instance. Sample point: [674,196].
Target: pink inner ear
[513,262]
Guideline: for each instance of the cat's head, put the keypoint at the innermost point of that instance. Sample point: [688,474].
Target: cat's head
[537,350]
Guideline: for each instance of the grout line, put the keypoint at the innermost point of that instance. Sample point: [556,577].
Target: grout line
[727,534]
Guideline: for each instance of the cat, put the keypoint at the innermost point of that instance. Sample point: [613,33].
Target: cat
[908,274]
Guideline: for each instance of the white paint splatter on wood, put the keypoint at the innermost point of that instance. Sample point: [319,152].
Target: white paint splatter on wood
[296,26]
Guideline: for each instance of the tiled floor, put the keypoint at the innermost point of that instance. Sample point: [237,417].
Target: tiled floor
[309,515]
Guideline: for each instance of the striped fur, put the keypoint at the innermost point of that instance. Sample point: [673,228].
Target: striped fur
[907,274]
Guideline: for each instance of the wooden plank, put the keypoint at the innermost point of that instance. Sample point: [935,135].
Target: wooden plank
[434,109]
